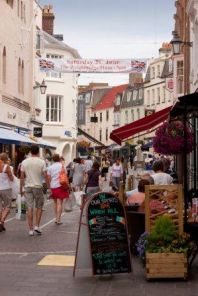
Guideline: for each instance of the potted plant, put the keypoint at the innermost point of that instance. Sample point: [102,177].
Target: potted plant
[164,252]
[169,138]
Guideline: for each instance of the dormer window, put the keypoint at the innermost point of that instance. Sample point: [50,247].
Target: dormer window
[128,96]
[118,100]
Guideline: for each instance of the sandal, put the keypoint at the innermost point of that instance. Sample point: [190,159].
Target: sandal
[58,223]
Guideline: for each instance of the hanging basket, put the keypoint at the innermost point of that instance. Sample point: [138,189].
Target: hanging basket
[169,138]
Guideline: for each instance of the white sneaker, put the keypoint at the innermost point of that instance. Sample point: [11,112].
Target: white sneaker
[37,230]
[31,232]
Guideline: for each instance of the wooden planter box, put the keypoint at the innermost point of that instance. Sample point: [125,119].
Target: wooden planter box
[166,265]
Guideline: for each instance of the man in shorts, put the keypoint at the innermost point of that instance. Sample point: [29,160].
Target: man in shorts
[32,170]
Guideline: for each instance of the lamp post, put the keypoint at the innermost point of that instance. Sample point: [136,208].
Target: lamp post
[177,43]
[42,87]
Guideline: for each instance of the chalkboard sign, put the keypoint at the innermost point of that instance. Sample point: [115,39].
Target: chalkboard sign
[108,235]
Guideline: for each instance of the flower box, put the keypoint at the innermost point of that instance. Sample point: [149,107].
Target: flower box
[166,265]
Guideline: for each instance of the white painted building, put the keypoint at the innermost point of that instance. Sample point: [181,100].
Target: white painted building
[16,63]
[56,110]
[158,86]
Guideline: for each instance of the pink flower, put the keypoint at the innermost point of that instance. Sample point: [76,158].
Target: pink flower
[169,138]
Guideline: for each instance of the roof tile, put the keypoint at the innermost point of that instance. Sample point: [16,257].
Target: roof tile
[108,100]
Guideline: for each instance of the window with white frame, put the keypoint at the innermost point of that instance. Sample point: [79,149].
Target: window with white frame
[107,134]
[116,118]
[126,117]
[140,93]
[118,100]
[87,98]
[135,93]
[132,115]
[128,96]
[107,115]
[158,95]
[53,74]
[54,108]
[148,98]
[164,95]
[158,71]
[180,77]
[153,96]
[153,72]
[100,135]
[138,113]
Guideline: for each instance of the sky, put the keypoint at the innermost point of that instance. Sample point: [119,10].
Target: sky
[113,29]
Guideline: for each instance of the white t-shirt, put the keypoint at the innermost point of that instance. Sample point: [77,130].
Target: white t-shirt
[88,165]
[54,171]
[117,170]
[33,167]
[162,179]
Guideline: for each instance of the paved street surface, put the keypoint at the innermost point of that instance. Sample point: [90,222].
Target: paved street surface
[21,276]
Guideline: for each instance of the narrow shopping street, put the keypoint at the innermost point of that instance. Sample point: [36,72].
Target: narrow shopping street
[21,275]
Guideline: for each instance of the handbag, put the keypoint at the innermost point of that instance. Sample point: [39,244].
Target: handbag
[63,178]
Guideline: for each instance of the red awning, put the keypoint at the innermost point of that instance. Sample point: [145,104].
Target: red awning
[143,124]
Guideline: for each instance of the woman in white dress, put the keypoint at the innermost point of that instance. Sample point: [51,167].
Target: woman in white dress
[78,174]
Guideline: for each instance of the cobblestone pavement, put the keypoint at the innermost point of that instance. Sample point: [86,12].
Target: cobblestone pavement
[21,276]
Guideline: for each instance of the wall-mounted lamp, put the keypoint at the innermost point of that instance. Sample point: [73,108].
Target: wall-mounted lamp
[177,42]
[42,86]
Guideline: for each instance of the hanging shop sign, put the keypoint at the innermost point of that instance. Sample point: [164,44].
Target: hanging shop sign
[38,132]
[93,65]
[169,84]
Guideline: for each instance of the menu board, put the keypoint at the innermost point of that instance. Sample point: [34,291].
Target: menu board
[108,235]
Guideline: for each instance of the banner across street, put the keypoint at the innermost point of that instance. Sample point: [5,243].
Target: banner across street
[93,65]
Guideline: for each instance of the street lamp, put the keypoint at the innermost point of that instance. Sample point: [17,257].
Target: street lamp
[42,86]
[177,42]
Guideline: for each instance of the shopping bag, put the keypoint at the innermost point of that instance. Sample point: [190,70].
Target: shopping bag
[78,197]
[21,208]
[70,202]
[15,187]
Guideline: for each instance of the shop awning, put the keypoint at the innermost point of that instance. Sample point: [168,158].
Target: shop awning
[146,123]
[8,136]
[186,104]
[92,139]
[44,144]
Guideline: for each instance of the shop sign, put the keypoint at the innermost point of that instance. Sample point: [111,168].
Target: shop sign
[38,132]
[149,112]
[169,84]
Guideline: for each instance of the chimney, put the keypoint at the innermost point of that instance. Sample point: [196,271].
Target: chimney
[48,19]
[135,79]
[165,49]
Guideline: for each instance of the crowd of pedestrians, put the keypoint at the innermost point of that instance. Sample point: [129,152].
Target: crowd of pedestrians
[40,176]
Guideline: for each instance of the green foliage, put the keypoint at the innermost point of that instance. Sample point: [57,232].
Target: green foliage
[164,238]
[163,231]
